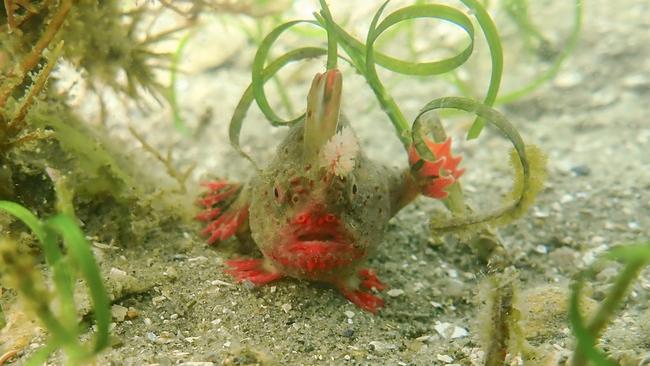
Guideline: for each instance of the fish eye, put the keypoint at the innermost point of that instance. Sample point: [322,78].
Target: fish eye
[353,188]
[278,193]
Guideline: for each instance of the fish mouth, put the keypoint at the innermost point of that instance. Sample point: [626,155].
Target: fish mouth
[316,236]
[312,248]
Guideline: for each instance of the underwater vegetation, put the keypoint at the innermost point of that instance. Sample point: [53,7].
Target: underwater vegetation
[19,272]
[55,167]
[54,163]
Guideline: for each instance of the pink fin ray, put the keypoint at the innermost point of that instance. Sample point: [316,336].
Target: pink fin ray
[251,270]
[364,300]
[361,296]
[370,280]
[435,176]
[223,214]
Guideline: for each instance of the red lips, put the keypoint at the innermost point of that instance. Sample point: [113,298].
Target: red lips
[315,242]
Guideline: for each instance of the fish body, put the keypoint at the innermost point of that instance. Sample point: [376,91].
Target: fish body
[320,207]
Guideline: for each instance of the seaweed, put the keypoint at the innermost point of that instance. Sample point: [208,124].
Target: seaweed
[20,273]
[587,332]
[533,38]
[41,136]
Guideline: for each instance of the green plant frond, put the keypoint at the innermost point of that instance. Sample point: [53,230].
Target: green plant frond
[258,80]
[557,63]
[64,329]
[586,340]
[436,11]
[248,97]
[587,332]
[27,280]
[61,274]
[496,55]
[630,253]
[364,57]
[80,252]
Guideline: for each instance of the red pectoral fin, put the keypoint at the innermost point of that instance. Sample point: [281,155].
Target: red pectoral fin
[363,300]
[251,270]
[435,176]
[225,209]
[361,296]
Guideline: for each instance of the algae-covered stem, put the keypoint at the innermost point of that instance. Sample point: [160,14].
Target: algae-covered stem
[500,316]
[31,60]
[332,44]
[19,120]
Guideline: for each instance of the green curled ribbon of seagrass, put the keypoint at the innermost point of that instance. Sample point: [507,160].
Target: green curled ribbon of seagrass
[364,58]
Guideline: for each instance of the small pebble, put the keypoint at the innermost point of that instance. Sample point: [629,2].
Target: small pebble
[450,331]
[540,213]
[567,80]
[581,170]
[636,81]
[116,273]
[157,300]
[179,257]
[220,283]
[152,336]
[119,312]
[566,198]
[382,346]
[132,313]
[349,314]
[604,98]
[286,308]
[395,292]
[198,259]
[633,225]
[444,358]
[541,249]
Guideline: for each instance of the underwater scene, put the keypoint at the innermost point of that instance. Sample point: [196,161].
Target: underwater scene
[325,182]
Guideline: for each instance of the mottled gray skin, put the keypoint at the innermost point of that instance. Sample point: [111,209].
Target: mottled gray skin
[364,200]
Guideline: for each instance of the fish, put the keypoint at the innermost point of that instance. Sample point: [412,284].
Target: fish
[320,207]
